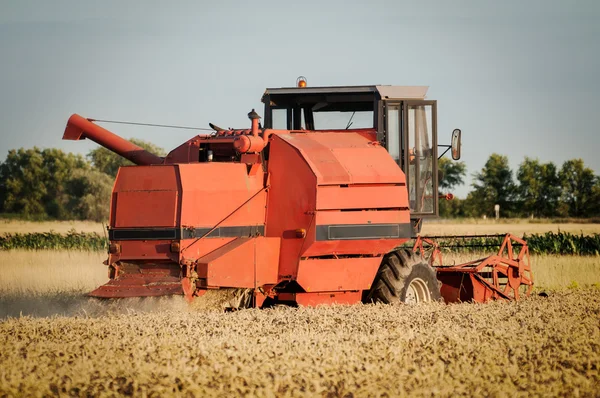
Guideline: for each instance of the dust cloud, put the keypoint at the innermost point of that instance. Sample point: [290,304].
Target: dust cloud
[79,304]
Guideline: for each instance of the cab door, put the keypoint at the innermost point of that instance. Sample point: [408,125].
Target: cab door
[410,135]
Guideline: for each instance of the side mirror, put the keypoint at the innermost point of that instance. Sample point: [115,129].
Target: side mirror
[456,144]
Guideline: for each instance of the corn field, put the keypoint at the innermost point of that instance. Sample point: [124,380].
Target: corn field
[72,240]
[559,243]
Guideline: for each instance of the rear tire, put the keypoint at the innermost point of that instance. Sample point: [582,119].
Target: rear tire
[404,277]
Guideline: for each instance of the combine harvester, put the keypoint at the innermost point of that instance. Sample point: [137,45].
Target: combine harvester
[315,206]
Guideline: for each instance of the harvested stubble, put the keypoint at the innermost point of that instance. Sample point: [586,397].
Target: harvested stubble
[23,227]
[517,227]
[540,346]
[25,272]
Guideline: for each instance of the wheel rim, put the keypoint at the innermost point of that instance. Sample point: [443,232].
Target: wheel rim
[417,292]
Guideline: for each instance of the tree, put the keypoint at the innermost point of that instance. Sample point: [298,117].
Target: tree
[493,185]
[595,202]
[454,208]
[577,181]
[89,194]
[452,174]
[539,188]
[32,182]
[108,162]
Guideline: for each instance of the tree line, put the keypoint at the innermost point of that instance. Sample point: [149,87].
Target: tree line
[43,184]
[540,190]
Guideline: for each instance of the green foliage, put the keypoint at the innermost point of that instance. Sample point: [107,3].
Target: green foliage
[579,189]
[53,241]
[89,192]
[33,181]
[564,243]
[109,162]
[539,188]
[453,173]
[594,205]
[542,191]
[454,208]
[493,185]
[561,243]
[38,184]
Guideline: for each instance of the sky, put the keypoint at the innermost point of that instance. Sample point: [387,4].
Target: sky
[520,78]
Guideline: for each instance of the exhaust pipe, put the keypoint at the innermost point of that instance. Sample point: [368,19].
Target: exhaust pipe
[79,128]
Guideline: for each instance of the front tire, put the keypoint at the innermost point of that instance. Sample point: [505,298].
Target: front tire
[404,277]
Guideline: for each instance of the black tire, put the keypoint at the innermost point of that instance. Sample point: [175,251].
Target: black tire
[404,277]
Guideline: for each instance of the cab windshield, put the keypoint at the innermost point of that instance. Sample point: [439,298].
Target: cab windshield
[323,116]
[343,120]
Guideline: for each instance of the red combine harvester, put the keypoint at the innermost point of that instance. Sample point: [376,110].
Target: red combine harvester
[313,207]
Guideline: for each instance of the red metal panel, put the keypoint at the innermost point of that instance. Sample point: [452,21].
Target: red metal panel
[362,217]
[332,157]
[361,197]
[291,198]
[147,178]
[146,250]
[146,209]
[342,247]
[186,152]
[316,275]
[376,165]
[463,287]
[297,162]
[345,247]
[212,191]
[242,263]
[193,249]
[161,249]
[145,196]
[320,158]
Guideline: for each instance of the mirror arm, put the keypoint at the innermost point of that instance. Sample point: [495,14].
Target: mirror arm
[448,147]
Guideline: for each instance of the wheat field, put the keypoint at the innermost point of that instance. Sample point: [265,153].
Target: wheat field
[540,346]
[31,273]
[58,342]
[515,227]
[18,226]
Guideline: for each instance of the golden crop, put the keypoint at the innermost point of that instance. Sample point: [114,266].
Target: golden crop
[540,346]
[67,344]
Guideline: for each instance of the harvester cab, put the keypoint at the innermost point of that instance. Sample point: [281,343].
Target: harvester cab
[399,118]
[316,206]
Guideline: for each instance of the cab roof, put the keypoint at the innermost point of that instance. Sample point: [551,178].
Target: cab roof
[382,92]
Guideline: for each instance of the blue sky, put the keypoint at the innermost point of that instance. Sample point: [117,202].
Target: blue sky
[518,77]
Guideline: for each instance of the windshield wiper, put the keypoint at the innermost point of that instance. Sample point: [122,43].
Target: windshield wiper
[350,121]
